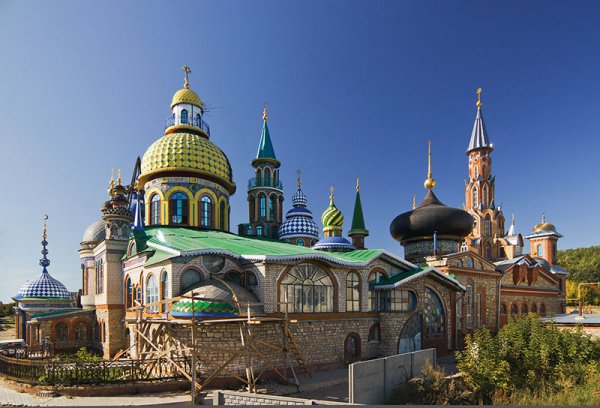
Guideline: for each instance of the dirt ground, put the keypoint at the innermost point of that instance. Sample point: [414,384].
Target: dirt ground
[7,328]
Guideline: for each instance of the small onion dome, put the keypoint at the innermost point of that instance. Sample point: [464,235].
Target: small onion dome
[215,298]
[186,96]
[332,218]
[431,216]
[299,221]
[187,153]
[43,287]
[334,243]
[96,232]
[544,227]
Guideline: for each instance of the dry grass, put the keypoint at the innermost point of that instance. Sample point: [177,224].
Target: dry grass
[7,328]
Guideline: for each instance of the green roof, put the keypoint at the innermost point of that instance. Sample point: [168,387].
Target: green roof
[265,147]
[65,311]
[358,220]
[169,242]
[394,280]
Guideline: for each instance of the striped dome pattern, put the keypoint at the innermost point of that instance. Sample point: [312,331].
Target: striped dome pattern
[187,152]
[332,218]
[43,287]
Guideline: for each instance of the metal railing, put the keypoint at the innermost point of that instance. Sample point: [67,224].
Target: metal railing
[252,183]
[199,123]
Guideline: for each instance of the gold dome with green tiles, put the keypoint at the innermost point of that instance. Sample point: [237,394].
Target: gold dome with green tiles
[183,153]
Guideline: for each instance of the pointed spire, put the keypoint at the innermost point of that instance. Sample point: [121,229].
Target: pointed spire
[358,221]
[479,137]
[414,201]
[430,182]
[45,262]
[511,229]
[331,196]
[265,146]
[112,177]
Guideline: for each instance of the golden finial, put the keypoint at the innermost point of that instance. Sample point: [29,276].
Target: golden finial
[187,71]
[357,184]
[112,177]
[543,217]
[44,235]
[119,177]
[299,180]
[479,97]
[414,201]
[265,117]
[430,182]
[331,189]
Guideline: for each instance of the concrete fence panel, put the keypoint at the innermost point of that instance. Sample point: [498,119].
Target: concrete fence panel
[419,358]
[398,369]
[367,382]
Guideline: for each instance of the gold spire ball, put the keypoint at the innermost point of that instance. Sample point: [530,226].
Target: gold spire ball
[265,116]
[430,182]
[479,97]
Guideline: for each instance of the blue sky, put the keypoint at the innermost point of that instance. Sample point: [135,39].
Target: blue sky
[354,88]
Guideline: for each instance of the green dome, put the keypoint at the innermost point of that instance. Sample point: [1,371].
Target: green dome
[187,153]
[332,218]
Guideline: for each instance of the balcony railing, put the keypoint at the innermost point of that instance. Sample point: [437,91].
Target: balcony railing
[252,183]
[199,123]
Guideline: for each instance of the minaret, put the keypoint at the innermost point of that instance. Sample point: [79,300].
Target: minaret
[265,191]
[358,231]
[480,191]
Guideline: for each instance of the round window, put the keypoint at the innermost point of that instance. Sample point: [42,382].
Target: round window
[213,263]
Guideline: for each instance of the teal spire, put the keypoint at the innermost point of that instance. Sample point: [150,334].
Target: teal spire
[265,147]
[358,220]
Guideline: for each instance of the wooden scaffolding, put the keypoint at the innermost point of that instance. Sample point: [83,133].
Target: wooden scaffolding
[158,339]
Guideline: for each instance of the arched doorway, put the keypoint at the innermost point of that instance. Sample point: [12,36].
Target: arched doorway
[410,336]
[434,316]
[352,348]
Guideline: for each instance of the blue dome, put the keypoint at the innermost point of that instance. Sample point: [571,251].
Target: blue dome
[299,220]
[43,287]
[333,243]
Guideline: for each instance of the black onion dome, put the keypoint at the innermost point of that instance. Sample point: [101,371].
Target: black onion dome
[429,217]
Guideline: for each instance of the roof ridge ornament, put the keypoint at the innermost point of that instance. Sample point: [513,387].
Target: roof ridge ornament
[429,182]
[187,71]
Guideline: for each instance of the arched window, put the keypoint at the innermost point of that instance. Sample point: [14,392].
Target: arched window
[352,292]
[469,303]
[99,276]
[259,231]
[62,332]
[539,250]
[308,289]
[484,195]
[352,348]
[488,251]
[503,311]
[542,309]
[464,247]
[258,177]
[475,225]
[267,177]
[524,309]
[152,293]
[206,211]
[374,333]
[410,336]
[435,318]
[514,310]
[488,226]
[190,279]
[459,263]
[476,172]
[374,278]
[300,242]
[128,293]
[263,205]
[81,331]
[184,116]
[245,279]
[501,253]
[131,250]
[469,262]
[222,215]
[198,120]
[534,308]
[179,207]
[249,230]
[155,209]
[271,208]
[164,289]
[475,197]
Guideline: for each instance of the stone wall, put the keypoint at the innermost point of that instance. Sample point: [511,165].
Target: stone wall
[223,397]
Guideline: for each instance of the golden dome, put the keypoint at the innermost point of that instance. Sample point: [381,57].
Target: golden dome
[544,227]
[186,95]
[187,153]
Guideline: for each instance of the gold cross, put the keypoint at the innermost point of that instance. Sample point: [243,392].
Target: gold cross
[187,71]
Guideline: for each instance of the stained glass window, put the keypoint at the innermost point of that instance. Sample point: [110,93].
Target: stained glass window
[206,211]
[435,318]
[155,210]
[179,208]
[184,116]
[309,289]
